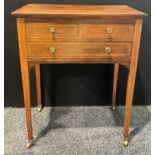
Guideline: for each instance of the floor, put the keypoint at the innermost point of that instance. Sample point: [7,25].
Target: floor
[91,130]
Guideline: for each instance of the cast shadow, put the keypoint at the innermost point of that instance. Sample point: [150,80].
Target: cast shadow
[52,124]
[140,116]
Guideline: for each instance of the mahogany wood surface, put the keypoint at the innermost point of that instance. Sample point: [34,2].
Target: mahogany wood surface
[88,50]
[83,34]
[116,70]
[55,10]
[74,30]
[38,84]
[25,75]
[132,76]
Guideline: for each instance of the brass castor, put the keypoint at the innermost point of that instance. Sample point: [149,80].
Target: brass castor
[125,142]
[39,108]
[29,144]
[113,108]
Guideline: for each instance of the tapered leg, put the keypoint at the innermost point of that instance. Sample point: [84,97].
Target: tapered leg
[128,107]
[25,77]
[116,69]
[38,85]
[27,102]
[131,78]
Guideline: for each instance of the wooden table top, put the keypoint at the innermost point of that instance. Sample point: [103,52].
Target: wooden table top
[67,11]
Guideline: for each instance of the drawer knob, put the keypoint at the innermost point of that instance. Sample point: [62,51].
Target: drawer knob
[109,30]
[52,50]
[52,29]
[108,49]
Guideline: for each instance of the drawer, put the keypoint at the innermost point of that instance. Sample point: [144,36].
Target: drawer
[41,32]
[93,50]
[109,32]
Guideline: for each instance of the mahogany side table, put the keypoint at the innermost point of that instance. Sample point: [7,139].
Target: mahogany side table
[78,34]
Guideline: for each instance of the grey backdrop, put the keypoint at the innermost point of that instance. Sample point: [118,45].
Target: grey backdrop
[74,85]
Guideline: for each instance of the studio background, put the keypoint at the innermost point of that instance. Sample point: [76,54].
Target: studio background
[76,85]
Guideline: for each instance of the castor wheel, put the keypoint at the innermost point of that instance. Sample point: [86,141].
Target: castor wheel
[39,108]
[113,108]
[125,142]
[29,144]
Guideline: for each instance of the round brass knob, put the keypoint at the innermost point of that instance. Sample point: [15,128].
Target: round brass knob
[109,30]
[108,49]
[52,29]
[52,50]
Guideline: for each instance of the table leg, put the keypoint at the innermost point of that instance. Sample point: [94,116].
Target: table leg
[128,107]
[25,78]
[116,69]
[38,85]
[131,78]
[27,102]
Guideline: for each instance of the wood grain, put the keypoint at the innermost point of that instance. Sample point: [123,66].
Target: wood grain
[43,30]
[120,32]
[38,84]
[94,50]
[116,69]
[71,30]
[25,74]
[132,76]
[78,11]
[81,60]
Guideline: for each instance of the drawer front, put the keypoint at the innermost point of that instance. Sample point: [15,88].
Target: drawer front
[40,32]
[88,50]
[74,30]
[109,32]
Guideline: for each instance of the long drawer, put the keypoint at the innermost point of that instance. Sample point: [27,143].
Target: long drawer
[93,50]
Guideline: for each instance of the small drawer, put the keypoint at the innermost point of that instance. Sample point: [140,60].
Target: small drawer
[93,50]
[41,32]
[108,32]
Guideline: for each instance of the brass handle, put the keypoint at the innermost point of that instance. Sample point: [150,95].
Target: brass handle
[52,50]
[109,30]
[52,29]
[108,49]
